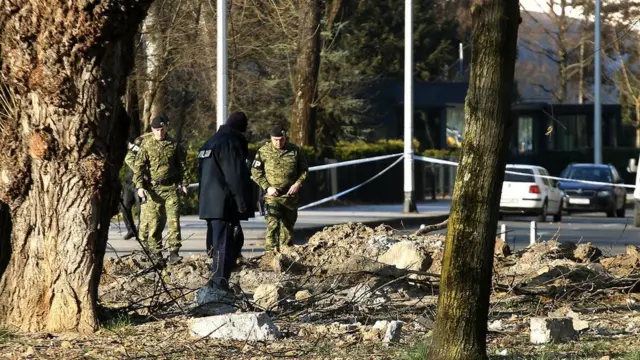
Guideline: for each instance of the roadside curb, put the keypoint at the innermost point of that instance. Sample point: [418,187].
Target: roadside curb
[398,223]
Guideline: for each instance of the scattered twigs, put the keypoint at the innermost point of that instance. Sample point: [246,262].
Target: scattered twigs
[431,228]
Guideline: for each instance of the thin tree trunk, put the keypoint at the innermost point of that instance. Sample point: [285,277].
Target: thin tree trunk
[63,147]
[154,64]
[463,304]
[581,72]
[303,117]
[131,104]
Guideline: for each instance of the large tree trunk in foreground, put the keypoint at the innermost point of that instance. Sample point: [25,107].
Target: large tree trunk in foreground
[463,304]
[63,145]
[305,90]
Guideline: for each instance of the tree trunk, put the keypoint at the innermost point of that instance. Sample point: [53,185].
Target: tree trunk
[637,121]
[581,72]
[303,117]
[63,145]
[463,303]
[5,237]
[154,65]
[131,104]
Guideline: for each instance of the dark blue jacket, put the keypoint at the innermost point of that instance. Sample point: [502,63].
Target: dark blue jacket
[226,188]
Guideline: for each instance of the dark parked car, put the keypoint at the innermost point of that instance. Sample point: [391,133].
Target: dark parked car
[585,197]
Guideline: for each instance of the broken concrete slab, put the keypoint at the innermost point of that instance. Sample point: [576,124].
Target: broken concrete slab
[244,326]
[407,256]
[394,332]
[551,330]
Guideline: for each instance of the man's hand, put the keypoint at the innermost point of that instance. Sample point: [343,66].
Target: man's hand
[294,189]
[142,193]
[271,191]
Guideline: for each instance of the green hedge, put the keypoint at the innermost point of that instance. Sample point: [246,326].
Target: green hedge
[343,151]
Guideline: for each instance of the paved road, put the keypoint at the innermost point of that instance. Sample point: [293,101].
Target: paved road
[610,234]
[194,230]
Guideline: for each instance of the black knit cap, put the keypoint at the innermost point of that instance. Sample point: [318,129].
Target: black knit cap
[277,131]
[238,121]
[159,121]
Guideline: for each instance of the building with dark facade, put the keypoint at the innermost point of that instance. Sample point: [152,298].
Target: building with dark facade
[550,135]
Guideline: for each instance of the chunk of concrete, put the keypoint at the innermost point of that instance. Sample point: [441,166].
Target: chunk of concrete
[551,330]
[406,255]
[245,326]
[394,332]
[267,296]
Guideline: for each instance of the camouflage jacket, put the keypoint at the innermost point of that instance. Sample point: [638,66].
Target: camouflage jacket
[279,168]
[157,162]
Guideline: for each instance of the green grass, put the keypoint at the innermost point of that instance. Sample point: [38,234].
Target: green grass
[120,324]
[6,335]
[418,352]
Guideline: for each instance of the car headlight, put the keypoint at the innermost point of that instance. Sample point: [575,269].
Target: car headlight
[604,193]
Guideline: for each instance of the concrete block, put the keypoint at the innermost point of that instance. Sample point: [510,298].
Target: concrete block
[245,326]
[552,330]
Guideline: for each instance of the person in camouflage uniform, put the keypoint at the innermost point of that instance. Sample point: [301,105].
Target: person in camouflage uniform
[280,168]
[159,167]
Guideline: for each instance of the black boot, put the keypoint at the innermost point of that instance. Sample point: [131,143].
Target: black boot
[174,258]
[129,235]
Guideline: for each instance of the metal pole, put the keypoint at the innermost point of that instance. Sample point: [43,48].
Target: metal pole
[409,202]
[461,49]
[221,64]
[597,110]
[533,233]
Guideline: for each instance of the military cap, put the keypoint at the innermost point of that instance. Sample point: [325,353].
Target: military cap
[159,121]
[277,131]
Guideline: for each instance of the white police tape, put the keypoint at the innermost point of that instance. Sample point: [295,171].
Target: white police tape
[333,197]
[339,164]
[353,162]
[451,163]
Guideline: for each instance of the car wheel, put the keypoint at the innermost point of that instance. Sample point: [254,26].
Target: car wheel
[542,217]
[612,212]
[558,217]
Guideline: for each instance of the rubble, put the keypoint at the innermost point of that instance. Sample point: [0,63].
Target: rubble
[586,253]
[393,333]
[246,327]
[349,275]
[551,330]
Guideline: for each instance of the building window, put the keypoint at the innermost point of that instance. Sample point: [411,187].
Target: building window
[582,137]
[562,135]
[525,134]
[568,133]
[455,126]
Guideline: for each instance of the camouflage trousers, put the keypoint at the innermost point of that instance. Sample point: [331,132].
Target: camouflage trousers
[280,221]
[162,206]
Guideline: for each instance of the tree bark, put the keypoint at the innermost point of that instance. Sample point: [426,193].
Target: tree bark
[155,66]
[581,70]
[463,304]
[305,90]
[63,145]
[131,104]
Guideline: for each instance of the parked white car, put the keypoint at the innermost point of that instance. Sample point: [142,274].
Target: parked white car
[529,194]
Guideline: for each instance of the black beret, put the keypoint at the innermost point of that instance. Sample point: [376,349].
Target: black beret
[159,121]
[277,131]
